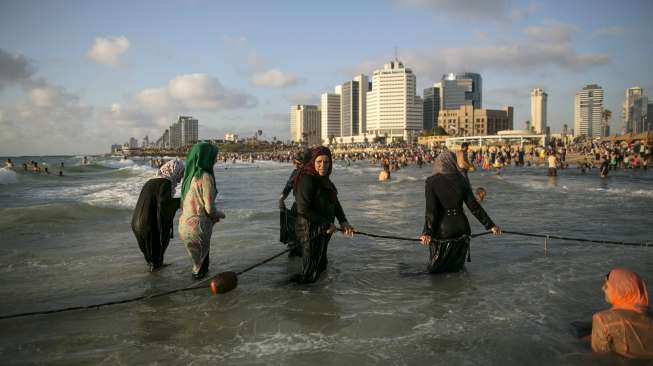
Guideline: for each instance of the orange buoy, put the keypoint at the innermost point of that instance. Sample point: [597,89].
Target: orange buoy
[224,282]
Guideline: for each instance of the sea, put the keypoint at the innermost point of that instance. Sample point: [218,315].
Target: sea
[66,241]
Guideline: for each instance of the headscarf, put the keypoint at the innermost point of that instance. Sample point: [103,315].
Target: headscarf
[200,159]
[173,171]
[445,164]
[626,290]
[309,169]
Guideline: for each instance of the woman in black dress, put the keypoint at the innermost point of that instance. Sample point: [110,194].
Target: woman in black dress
[446,229]
[155,211]
[317,207]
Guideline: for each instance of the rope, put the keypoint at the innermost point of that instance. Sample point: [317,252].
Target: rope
[597,241]
[408,239]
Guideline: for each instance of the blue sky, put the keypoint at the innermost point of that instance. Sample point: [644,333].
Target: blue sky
[76,76]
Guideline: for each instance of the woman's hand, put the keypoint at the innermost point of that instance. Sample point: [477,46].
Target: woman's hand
[425,240]
[218,216]
[347,229]
[332,229]
[495,230]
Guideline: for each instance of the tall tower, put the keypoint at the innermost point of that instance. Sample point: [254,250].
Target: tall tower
[431,106]
[538,110]
[635,110]
[305,124]
[461,89]
[393,108]
[588,111]
[330,116]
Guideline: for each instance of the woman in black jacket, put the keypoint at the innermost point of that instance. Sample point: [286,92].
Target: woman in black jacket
[155,211]
[317,206]
[446,229]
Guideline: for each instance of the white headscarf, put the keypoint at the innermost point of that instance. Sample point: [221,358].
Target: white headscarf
[173,171]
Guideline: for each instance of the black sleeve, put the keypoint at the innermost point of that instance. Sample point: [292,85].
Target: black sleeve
[431,212]
[167,207]
[476,209]
[304,198]
[289,183]
[340,213]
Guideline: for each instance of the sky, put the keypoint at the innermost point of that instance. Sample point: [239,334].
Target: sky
[77,76]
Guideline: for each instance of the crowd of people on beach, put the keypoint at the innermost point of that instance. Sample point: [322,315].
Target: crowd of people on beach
[307,227]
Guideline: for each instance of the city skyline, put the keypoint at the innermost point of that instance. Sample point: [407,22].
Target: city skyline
[95,73]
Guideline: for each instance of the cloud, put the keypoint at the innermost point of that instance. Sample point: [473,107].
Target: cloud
[499,10]
[609,32]
[107,51]
[304,98]
[14,69]
[200,91]
[547,45]
[48,120]
[234,41]
[274,78]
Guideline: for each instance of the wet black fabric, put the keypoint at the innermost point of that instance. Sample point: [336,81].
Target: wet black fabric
[441,199]
[152,219]
[448,255]
[316,211]
[446,223]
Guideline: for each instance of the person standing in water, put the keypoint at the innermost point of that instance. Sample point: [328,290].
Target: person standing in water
[626,328]
[289,217]
[553,165]
[446,229]
[317,207]
[199,212]
[155,212]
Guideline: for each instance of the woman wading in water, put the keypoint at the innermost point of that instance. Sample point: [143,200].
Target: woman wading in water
[317,206]
[446,229]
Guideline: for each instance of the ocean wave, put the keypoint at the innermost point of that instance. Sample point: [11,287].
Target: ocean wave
[625,192]
[57,213]
[118,194]
[8,176]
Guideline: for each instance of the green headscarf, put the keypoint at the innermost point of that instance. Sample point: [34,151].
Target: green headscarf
[201,158]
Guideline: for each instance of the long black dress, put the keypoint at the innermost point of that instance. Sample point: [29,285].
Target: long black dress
[317,207]
[446,223]
[152,219]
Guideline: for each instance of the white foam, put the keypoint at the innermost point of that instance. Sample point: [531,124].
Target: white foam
[8,176]
[122,163]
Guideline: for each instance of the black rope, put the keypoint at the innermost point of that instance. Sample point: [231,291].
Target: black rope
[597,241]
[409,239]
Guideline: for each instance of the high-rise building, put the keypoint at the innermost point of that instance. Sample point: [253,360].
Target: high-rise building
[467,121]
[588,111]
[538,110]
[146,142]
[133,143]
[189,130]
[330,117]
[352,106]
[393,108]
[649,117]
[305,124]
[461,89]
[634,111]
[431,105]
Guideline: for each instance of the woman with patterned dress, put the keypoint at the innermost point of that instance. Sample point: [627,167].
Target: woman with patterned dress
[155,212]
[199,212]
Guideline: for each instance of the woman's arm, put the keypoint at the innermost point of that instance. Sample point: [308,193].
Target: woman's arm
[208,198]
[600,338]
[476,209]
[431,211]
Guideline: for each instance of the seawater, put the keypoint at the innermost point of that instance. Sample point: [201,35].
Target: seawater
[66,241]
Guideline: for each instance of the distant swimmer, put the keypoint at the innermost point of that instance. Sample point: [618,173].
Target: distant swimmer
[605,167]
[480,194]
[385,173]
[553,165]
[85,160]
[9,164]
[446,229]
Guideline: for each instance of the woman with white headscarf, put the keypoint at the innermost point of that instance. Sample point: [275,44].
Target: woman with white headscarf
[155,211]
[446,229]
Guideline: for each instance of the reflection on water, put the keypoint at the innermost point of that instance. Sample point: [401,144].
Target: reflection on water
[374,305]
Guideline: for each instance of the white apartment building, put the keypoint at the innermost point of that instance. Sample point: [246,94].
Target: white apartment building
[305,123]
[538,110]
[588,111]
[330,116]
[393,108]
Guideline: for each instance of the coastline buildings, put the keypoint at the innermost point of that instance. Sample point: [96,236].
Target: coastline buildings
[431,106]
[353,99]
[461,89]
[538,110]
[181,133]
[393,108]
[305,124]
[468,121]
[634,113]
[588,111]
[330,116]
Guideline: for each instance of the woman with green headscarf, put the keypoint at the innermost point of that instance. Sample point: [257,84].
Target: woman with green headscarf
[199,213]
